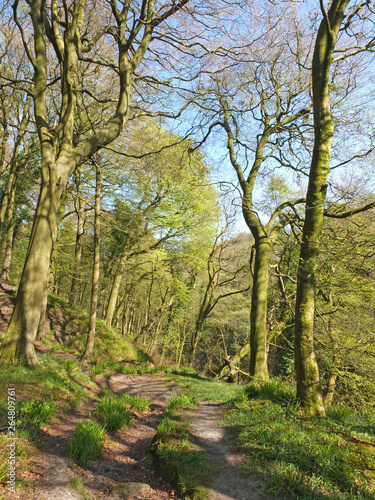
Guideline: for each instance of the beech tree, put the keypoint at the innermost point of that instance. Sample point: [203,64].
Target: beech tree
[59,38]
[275,102]
[307,370]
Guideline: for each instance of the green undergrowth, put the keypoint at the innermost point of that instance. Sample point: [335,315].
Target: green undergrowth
[87,442]
[180,461]
[41,394]
[21,453]
[112,413]
[204,388]
[330,458]
[115,411]
[110,345]
[55,385]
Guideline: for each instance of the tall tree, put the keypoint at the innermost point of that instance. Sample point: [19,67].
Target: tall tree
[96,267]
[307,371]
[63,35]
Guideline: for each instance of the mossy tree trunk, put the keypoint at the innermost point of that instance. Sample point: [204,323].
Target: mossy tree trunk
[116,286]
[19,339]
[264,234]
[9,234]
[258,314]
[307,371]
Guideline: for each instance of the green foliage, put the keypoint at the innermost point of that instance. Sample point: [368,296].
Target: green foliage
[35,412]
[87,442]
[113,410]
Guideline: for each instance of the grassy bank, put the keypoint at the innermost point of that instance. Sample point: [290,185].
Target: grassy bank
[332,458]
[179,460]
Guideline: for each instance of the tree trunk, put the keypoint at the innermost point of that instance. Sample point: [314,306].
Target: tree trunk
[258,316]
[234,360]
[331,384]
[19,339]
[307,370]
[41,333]
[14,165]
[79,206]
[96,270]
[116,287]
[194,341]
[10,229]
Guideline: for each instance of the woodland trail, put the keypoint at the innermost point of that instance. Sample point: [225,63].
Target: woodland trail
[228,480]
[126,457]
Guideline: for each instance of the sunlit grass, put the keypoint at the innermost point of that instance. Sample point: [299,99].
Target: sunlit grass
[301,458]
[298,458]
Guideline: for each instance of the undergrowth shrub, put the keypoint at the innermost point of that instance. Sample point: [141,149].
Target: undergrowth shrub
[35,413]
[114,411]
[137,403]
[87,442]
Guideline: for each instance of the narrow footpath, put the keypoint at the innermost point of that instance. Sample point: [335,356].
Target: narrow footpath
[126,457]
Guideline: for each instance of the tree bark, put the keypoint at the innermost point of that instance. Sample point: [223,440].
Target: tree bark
[96,270]
[19,339]
[79,207]
[307,370]
[258,315]
[116,287]
[9,237]
[331,383]
[232,362]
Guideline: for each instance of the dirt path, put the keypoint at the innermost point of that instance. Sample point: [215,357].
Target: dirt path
[125,457]
[228,481]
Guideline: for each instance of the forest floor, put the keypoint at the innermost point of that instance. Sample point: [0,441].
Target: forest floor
[284,455]
[52,475]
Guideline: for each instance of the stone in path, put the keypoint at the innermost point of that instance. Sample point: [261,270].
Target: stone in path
[127,490]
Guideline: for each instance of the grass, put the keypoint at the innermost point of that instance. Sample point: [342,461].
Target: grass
[181,462]
[55,386]
[20,453]
[204,388]
[77,483]
[113,410]
[301,458]
[87,442]
[136,403]
[297,458]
